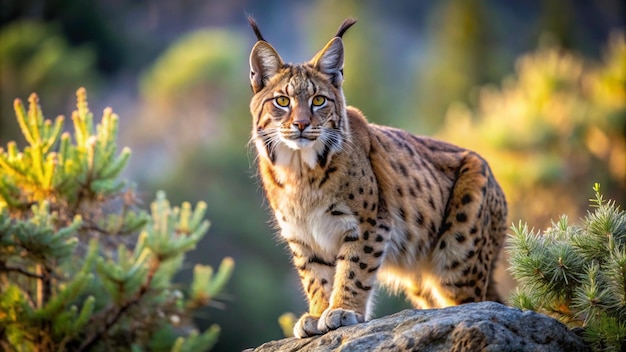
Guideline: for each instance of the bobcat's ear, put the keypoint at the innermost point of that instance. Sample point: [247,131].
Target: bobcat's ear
[330,61]
[264,63]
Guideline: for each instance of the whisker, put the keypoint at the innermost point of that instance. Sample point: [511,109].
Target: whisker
[270,139]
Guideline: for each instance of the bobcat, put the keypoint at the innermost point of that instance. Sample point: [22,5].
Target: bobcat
[359,203]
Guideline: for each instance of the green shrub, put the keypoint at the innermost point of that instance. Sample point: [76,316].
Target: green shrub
[81,265]
[576,273]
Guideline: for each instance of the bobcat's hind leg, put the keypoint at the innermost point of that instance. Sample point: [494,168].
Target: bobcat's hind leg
[467,245]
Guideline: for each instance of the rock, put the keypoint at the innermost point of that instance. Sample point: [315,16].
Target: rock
[485,326]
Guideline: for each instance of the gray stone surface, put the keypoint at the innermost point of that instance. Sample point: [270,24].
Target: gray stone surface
[484,326]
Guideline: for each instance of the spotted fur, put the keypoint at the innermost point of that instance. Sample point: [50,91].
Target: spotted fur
[358,203]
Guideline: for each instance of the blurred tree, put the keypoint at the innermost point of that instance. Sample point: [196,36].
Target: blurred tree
[459,58]
[80,23]
[205,58]
[557,20]
[193,95]
[58,197]
[557,124]
[34,56]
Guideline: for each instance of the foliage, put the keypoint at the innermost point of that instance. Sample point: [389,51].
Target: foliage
[458,59]
[193,104]
[34,56]
[287,321]
[81,266]
[576,273]
[557,123]
[201,64]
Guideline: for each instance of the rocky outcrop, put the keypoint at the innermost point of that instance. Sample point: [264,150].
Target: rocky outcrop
[485,326]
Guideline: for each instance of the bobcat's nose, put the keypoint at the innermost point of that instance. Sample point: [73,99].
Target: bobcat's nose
[301,124]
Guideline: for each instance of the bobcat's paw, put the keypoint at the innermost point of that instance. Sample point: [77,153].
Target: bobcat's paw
[306,326]
[332,319]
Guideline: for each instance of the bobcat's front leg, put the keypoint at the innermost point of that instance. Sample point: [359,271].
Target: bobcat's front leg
[316,275]
[358,260]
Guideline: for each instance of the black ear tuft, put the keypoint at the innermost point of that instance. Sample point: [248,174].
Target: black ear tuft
[264,60]
[255,28]
[347,23]
[330,59]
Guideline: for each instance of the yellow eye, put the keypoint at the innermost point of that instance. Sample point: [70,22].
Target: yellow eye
[282,101]
[318,100]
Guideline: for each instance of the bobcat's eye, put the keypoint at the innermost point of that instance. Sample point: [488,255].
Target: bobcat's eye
[318,100]
[282,101]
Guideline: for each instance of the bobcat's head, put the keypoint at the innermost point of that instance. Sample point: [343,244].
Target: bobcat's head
[298,107]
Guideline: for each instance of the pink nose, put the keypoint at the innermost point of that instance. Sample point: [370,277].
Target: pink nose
[301,124]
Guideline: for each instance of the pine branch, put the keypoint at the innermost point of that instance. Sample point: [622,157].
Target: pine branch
[576,273]
[112,314]
[6,268]
[49,202]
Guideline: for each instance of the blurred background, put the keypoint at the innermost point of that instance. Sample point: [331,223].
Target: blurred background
[538,87]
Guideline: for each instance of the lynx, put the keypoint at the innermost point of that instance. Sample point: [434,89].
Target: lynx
[360,204]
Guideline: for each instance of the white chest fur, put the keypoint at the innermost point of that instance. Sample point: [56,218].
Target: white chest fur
[317,228]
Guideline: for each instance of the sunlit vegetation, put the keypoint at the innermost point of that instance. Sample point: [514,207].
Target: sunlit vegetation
[36,55]
[82,266]
[576,272]
[555,125]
